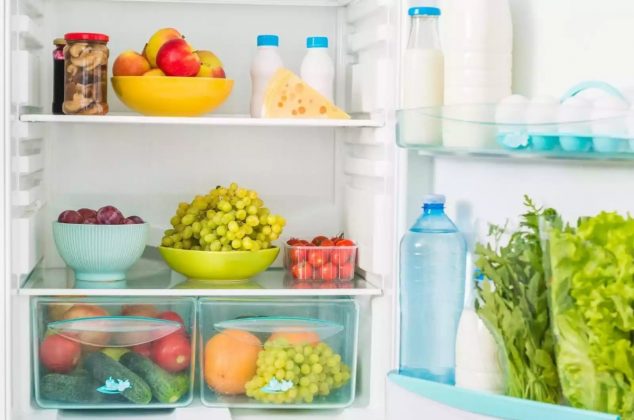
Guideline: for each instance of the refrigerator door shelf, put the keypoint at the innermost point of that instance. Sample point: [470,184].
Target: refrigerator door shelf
[407,397]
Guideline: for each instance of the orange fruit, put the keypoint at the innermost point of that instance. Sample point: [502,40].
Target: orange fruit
[230,361]
[299,337]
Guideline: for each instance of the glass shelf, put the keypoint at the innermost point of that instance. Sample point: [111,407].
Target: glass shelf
[215,120]
[476,131]
[150,277]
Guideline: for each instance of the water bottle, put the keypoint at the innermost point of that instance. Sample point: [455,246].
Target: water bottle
[432,280]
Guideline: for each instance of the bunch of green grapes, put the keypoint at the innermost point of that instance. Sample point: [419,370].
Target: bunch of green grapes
[226,219]
[313,370]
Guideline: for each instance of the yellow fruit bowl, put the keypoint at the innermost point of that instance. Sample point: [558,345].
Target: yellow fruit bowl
[172,96]
[209,265]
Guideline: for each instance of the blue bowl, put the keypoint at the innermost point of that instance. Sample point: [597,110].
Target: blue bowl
[100,252]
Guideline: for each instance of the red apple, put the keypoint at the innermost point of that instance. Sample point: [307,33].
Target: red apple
[158,39]
[176,58]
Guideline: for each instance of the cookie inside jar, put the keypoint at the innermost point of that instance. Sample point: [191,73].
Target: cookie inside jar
[86,74]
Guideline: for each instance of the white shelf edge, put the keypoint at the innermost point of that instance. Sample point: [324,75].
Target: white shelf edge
[220,120]
[202,292]
[300,3]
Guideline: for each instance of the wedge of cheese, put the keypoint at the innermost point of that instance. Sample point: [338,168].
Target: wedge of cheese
[288,96]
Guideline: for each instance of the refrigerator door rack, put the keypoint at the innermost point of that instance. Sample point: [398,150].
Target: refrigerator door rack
[569,139]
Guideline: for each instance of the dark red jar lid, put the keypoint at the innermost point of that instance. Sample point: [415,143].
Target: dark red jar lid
[85,36]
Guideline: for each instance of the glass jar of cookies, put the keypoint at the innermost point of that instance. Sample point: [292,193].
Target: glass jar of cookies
[86,74]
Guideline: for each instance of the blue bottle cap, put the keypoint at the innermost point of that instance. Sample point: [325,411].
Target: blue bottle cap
[317,42]
[434,199]
[268,40]
[424,11]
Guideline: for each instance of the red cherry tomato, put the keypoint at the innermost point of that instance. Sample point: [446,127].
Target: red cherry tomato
[293,241]
[317,257]
[298,254]
[173,353]
[317,239]
[302,271]
[326,242]
[173,316]
[339,256]
[345,254]
[328,272]
[346,271]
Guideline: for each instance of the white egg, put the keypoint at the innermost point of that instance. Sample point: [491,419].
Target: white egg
[575,109]
[608,116]
[511,110]
[542,110]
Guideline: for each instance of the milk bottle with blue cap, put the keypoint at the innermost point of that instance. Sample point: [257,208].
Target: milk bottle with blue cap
[317,69]
[266,62]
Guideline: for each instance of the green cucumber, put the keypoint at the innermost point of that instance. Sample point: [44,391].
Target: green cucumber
[79,389]
[166,387]
[103,368]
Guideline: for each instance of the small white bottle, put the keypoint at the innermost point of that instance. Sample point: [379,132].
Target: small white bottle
[317,69]
[477,363]
[422,78]
[266,62]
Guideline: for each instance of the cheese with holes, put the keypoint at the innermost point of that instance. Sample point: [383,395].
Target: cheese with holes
[288,96]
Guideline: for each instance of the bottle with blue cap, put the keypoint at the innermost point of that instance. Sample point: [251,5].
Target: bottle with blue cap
[423,75]
[266,62]
[318,69]
[432,286]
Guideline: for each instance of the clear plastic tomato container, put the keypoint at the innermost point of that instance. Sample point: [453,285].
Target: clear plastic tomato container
[106,352]
[320,263]
[278,352]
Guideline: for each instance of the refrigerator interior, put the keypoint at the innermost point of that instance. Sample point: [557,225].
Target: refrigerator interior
[323,179]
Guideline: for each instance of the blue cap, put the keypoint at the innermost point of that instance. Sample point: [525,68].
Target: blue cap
[434,199]
[268,40]
[317,42]
[424,11]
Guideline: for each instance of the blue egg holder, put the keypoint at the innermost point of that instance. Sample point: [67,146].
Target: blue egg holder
[549,138]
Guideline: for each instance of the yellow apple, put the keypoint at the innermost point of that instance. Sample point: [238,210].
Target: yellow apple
[157,40]
[154,72]
[210,65]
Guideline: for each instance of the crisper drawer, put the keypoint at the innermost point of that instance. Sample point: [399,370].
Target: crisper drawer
[278,353]
[113,352]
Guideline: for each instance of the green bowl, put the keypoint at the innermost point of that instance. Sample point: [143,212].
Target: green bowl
[209,265]
[100,252]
